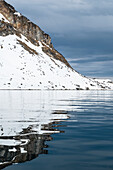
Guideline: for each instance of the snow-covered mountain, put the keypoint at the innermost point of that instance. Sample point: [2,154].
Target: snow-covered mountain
[28,59]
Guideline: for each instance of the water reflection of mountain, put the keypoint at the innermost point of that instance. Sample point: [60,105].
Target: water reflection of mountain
[27,120]
[28,144]
[23,152]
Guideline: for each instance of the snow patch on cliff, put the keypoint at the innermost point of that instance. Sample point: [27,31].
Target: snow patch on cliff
[2,18]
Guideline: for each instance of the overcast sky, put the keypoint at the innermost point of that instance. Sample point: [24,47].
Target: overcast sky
[82,30]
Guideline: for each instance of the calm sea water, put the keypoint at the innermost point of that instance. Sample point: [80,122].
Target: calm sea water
[60,130]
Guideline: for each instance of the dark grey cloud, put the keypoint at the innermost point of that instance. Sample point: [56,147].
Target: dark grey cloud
[82,30]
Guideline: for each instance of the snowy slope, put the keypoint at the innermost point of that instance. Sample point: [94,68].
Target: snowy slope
[22,69]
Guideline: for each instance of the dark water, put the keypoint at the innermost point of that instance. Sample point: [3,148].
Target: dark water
[60,130]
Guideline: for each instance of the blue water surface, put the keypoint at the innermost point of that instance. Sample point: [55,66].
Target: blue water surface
[86,138]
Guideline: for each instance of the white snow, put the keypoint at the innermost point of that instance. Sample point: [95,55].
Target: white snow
[2,18]
[20,69]
[17,13]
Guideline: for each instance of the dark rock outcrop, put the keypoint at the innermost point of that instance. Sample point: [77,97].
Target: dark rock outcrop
[6,29]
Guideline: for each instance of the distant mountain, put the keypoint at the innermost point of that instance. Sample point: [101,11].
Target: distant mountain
[28,59]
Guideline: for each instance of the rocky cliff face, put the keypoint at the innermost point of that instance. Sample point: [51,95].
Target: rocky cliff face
[18,23]
[22,24]
[6,29]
